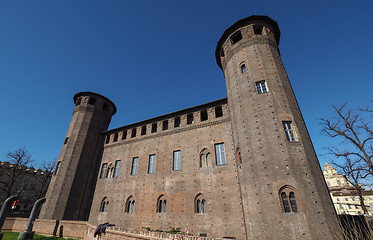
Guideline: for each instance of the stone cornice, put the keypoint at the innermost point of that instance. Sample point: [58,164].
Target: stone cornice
[167,132]
[248,43]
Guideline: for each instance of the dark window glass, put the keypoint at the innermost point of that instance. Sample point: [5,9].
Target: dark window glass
[143,130]
[124,135]
[243,68]
[236,37]
[154,127]
[293,202]
[285,202]
[165,125]
[177,122]
[190,118]
[204,115]
[107,139]
[133,133]
[258,29]
[218,112]
[92,101]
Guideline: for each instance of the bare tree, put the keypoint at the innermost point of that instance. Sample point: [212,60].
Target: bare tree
[20,159]
[40,187]
[356,135]
[354,153]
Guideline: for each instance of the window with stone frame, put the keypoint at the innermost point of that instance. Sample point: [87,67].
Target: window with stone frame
[199,204]
[205,158]
[288,200]
[103,170]
[220,154]
[261,87]
[289,131]
[176,161]
[116,168]
[130,205]
[104,207]
[135,162]
[161,204]
[151,165]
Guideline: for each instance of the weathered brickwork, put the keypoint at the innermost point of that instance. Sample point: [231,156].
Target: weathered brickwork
[242,167]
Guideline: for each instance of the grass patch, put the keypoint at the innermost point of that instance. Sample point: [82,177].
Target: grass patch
[14,236]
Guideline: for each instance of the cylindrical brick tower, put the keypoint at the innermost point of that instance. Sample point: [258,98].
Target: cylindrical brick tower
[71,189]
[283,191]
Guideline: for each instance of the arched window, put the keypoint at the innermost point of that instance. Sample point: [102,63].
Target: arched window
[205,158]
[199,204]
[104,205]
[161,204]
[110,171]
[288,199]
[130,205]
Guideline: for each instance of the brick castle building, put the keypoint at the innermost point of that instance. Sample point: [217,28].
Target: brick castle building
[241,167]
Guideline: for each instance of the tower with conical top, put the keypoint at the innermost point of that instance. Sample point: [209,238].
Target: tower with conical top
[284,195]
[71,189]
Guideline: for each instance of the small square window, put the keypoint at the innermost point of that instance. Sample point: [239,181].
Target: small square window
[154,127]
[165,125]
[258,29]
[261,87]
[236,37]
[177,122]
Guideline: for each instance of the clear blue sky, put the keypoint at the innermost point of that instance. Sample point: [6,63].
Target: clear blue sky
[155,57]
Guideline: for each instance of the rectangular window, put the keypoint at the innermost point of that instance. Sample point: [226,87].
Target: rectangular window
[218,112]
[289,131]
[124,134]
[177,122]
[107,139]
[133,133]
[66,140]
[204,115]
[143,130]
[115,137]
[135,163]
[103,170]
[220,154]
[154,127]
[261,87]
[151,166]
[190,118]
[176,165]
[165,125]
[116,170]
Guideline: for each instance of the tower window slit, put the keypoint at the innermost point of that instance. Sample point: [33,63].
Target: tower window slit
[236,37]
